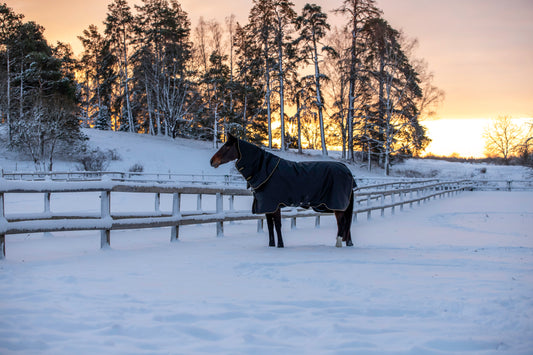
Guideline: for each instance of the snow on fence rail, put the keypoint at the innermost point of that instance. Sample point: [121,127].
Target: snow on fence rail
[367,199]
[227,179]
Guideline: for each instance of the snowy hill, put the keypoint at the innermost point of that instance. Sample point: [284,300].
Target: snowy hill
[185,156]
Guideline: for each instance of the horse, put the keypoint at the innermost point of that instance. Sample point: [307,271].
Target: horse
[324,186]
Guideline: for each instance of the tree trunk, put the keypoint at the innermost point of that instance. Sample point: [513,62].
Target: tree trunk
[281,97]
[351,94]
[126,85]
[319,100]
[267,97]
[298,110]
[150,105]
[8,115]
[21,90]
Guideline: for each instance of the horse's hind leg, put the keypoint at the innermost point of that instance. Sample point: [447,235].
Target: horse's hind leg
[348,214]
[339,215]
[344,223]
[270,224]
[277,224]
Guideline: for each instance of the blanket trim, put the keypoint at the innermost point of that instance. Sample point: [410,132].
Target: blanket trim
[329,210]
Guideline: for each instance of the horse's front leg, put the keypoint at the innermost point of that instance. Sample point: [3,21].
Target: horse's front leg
[270,224]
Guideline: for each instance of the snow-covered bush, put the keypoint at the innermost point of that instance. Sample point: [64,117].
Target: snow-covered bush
[95,160]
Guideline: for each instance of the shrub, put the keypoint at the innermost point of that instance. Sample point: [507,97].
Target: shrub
[95,160]
[410,173]
[136,168]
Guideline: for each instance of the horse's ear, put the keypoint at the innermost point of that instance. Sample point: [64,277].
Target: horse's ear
[231,138]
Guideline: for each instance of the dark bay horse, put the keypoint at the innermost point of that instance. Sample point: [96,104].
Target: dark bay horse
[276,182]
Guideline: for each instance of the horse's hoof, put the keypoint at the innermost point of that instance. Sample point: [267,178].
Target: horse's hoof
[339,242]
[349,243]
[281,246]
[271,245]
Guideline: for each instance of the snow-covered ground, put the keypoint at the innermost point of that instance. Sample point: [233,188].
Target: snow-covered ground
[454,276]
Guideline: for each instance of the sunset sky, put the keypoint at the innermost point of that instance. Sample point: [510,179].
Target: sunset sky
[481,51]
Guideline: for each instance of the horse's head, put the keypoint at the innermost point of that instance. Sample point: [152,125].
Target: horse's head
[226,153]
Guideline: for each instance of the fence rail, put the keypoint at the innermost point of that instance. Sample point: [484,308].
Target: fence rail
[236,179]
[503,185]
[367,199]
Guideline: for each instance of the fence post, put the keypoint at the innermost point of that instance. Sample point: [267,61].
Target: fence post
[47,202]
[293,223]
[157,202]
[105,234]
[220,209]
[369,212]
[3,220]
[199,202]
[231,205]
[175,229]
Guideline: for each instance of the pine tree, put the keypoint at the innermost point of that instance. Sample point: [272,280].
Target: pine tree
[397,87]
[162,56]
[9,23]
[47,120]
[313,27]
[119,32]
[249,86]
[260,26]
[284,23]
[217,77]
[358,13]
[97,65]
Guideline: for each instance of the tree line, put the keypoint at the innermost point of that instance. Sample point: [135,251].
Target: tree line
[285,79]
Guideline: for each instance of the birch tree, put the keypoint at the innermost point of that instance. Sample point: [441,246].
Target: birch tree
[503,138]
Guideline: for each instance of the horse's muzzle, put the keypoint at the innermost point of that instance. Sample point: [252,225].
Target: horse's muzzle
[214,163]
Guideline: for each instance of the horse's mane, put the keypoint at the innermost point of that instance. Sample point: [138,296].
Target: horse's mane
[255,164]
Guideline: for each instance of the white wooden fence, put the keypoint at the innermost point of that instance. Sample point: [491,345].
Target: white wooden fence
[367,199]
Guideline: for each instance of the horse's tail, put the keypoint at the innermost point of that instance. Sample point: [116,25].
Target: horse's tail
[346,222]
[354,184]
[349,210]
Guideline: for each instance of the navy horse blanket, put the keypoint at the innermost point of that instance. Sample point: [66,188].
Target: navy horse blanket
[276,182]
